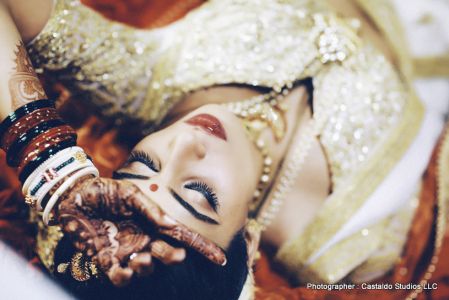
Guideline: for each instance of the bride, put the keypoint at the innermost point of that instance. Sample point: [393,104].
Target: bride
[297,124]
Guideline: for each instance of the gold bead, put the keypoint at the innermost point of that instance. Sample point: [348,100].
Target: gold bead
[256,194]
[81,156]
[62,268]
[268,161]
[265,178]
[31,201]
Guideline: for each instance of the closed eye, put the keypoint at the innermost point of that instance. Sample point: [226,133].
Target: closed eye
[207,192]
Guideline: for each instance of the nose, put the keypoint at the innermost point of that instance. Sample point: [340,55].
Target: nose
[187,146]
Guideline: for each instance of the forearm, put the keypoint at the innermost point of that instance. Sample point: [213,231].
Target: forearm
[34,133]
[18,82]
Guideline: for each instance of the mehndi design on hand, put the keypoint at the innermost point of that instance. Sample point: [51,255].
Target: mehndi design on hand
[96,213]
[24,85]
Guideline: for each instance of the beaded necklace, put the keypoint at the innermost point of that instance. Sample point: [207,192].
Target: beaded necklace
[267,111]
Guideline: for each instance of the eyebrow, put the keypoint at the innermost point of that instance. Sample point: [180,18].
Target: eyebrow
[192,210]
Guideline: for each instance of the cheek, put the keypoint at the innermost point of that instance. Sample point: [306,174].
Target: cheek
[236,213]
[236,177]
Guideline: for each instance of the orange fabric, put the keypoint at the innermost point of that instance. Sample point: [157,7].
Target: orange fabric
[144,13]
[410,268]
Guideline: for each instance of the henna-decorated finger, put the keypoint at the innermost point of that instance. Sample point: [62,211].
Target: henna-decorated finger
[166,253]
[141,263]
[119,276]
[84,232]
[150,210]
[119,198]
[197,242]
[131,239]
[110,265]
[99,214]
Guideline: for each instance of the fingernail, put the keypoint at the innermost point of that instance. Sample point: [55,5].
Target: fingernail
[180,255]
[169,220]
[224,262]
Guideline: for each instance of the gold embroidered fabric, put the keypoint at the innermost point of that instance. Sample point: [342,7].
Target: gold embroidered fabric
[431,66]
[109,63]
[390,246]
[47,240]
[367,111]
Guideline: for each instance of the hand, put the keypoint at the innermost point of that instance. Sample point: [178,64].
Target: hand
[98,214]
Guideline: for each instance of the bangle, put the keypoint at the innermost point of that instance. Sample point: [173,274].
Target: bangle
[68,152]
[64,187]
[22,111]
[26,123]
[44,141]
[31,156]
[43,156]
[50,177]
[25,138]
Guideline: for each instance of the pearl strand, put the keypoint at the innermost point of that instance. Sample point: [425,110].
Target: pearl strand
[300,150]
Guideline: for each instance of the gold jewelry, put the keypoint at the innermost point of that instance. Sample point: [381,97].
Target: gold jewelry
[79,268]
[286,179]
[263,111]
[258,113]
[31,201]
[254,226]
[62,267]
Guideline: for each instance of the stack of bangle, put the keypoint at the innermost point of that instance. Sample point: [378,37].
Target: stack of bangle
[43,148]
[67,165]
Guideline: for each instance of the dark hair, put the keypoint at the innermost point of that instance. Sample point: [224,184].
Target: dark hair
[195,278]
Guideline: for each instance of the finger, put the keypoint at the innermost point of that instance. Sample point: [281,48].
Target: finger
[110,266]
[123,199]
[119,276]
[151,211]
[141,263]
[83,233]
[131,240]
[166,253]
[194,240]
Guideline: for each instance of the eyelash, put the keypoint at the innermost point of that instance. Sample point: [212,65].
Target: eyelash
[144,158]
[201,186]
[125,175]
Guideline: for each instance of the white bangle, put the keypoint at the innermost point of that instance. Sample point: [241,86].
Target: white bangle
[67,152]
[49,178]
[64,187]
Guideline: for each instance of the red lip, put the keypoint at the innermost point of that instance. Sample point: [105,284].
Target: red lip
[210,124]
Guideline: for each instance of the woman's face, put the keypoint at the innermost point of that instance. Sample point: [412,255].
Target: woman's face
[202,170]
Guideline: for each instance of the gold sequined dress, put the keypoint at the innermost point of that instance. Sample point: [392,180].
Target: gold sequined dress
[369,113]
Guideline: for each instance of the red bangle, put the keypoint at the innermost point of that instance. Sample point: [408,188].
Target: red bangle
[45,139]
[26,123]
[37,152]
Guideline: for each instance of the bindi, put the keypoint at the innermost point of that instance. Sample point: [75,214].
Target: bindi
[154,187]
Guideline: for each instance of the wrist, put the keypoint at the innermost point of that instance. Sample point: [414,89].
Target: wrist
[43,147]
